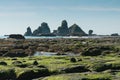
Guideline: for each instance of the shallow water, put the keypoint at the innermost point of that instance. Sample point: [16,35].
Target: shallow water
[53,54]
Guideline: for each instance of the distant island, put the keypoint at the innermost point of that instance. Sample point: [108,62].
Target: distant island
[62,30]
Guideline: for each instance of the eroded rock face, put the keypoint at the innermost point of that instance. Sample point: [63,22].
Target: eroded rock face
[63,29]
[29,32]
[75,30]
[43,29]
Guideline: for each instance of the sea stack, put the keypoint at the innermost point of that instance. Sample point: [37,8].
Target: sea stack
[29,32]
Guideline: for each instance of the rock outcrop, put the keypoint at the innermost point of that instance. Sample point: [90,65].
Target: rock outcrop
[43,29]
[16,36]
[75,30]
[29,32]
[63,29]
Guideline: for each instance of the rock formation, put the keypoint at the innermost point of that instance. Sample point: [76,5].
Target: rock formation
[43,29]
[75,30]
[63,29]
[29,32]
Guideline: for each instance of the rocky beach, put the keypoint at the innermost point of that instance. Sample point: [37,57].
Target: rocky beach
[92,57]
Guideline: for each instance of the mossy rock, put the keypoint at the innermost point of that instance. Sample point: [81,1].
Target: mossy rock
[92,52]
[33,73]
[101,67]
[3,63]
[26,75]
[75,69]
[73,59]
[7,74]
[19,64]
[35,63]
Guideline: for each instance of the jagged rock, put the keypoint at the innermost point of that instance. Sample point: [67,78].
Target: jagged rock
[63,29]
[43,29]
[29,32]
[75,30]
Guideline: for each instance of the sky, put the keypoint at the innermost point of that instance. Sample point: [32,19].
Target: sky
[102,16]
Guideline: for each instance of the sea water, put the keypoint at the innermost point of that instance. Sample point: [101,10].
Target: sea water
[52,37]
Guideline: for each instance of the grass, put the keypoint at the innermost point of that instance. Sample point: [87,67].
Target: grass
[56,64]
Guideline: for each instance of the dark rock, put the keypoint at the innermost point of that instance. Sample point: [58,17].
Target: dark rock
[115,34]
[29,32]
[8,74]
[76,69]
[75,30]
[16,53]
[73,59]
[63,29]
[32,74]
[43,29]
[16,36]
[90,32]
[92,52]
[37,31]
[35,63]
[3,63]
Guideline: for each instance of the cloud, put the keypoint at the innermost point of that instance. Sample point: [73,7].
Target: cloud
[81,8]
[16,14]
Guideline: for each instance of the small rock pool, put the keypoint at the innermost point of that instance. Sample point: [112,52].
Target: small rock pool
[37,53]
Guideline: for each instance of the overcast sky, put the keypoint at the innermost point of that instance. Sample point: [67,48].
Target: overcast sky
[102,16]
